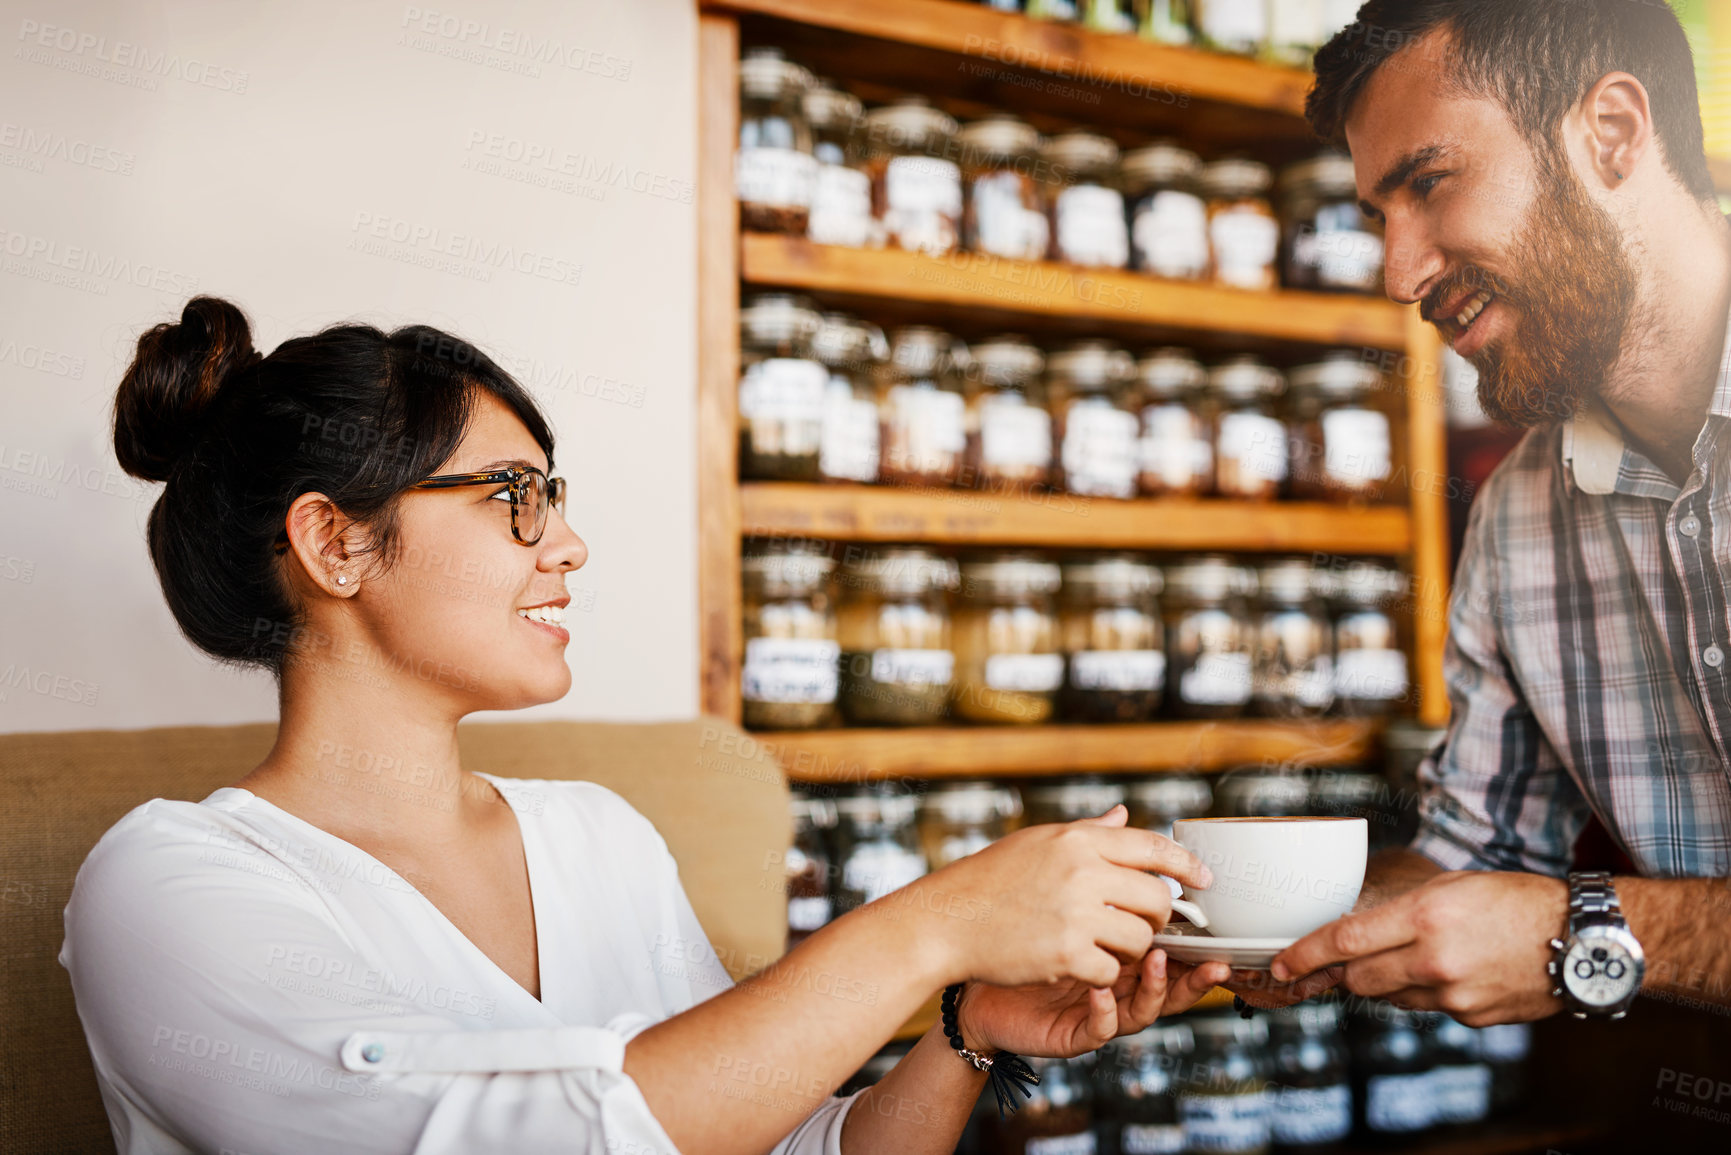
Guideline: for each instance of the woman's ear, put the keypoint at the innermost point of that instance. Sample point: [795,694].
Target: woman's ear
[326,542]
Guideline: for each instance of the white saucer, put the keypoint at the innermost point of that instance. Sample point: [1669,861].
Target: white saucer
[1191,944]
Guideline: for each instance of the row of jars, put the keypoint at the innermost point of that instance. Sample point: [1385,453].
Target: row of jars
[1281,31]
[904,636]
[1327,1075]
[827,398]
[814,163]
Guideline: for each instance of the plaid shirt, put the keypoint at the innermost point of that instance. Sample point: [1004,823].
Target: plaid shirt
[1589,659]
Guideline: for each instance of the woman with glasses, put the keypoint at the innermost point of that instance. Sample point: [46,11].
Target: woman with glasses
[313,959]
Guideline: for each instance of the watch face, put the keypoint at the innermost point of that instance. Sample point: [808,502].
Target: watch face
[1599,972]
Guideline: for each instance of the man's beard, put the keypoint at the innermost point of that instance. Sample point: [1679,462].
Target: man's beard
[1571,305]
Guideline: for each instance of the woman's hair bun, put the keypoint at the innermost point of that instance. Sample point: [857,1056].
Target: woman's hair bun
[177,371]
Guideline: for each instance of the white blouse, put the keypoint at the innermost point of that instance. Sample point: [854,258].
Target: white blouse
[249,983]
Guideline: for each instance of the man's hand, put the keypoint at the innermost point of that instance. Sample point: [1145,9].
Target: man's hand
[1472,944]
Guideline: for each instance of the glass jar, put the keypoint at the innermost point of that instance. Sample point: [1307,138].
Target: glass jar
[1065,11]
[849,349]
[1168,217]
[893,622]
[1342,447]
[1009,428]
[878,851]
[1237,26]
[1110,15]
[774,171]
[789,678]
[1167,21]
[960,818]
[999,161]
[1096,427]
[1005,630]
[1088,226]
[1136,1091]
[782,386]
[1243,232]
[1328,244]
[916,188]
[810,903]
[1069,799]
[1461,1080]
[1370,670]
[1505,1047]
[1311,1107]
[1337,792]
[1250,439]
[1294,671]
[1176,454]
[1114,641]
[1159,801]
[1210,637]
[1259,792]
[1058,1119]
[921,410]
[1294,32]
[841,203]
[1392,1061]
[1224,1101]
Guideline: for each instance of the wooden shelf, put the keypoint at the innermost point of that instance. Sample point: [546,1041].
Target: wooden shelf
[866,755]
[993,291]
[1061,521]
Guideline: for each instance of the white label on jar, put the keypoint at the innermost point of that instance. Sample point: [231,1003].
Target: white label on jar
[808,913]
[1246,243]
[923,184]
[1313,686]
[1224,1122]
[1463,1093]
[1311,1115]
[790,670]
[1399,1103]
[1025,673]
[1127,670]
[850,434]
[1081,1143]
[913,667]
[776,177]
[1004,225]
[1014,435]
[1370,675]
[1217,680]
[841,207]
[1342,258]
[1171,235]
[1257,443]
[875,869]
[928,424]
[783,389]
[1151,1139]
[1506,1042]
[1099,455]
[1356,445]
[1175,447]
[1234,22]
[1091,229]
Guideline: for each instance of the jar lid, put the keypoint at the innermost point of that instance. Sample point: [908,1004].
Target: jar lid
[1365,585]
[776,318]
[1210,578]
[795,565]
[765,74]
[997,137]
[1226,1027]
[901,571]
[920,350]
[971,803]
[1329,175]
[1012,572]
[1341,375]
[1080,152]
[844,342]
[1236,177]
[1177,795]
[1287,580]
[1171,373]
[1162,162]
[878,807]
[909,122]
[1087,797]
[1007,360]
[827,106]
[1119,574]
[815,812]
[1091,365]
[1253,792]
[1246,378]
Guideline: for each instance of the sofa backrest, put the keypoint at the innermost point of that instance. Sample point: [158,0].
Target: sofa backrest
[716,798]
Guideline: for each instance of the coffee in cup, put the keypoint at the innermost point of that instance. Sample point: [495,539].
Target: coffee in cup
[1273,877]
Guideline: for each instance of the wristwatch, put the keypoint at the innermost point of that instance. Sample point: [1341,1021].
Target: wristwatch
[1598,970]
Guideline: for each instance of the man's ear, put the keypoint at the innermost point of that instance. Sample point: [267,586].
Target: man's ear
[1617,120]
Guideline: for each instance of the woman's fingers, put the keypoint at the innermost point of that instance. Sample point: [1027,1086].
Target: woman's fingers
[1146,850]
[1140,893]
[1117,816]
[1123,933]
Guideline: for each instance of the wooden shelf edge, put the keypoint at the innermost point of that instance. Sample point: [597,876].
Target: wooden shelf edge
[1046,289]
[1068,51]
[865,755]
[1061,521]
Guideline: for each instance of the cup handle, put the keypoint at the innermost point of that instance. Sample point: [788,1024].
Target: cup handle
[1190,911]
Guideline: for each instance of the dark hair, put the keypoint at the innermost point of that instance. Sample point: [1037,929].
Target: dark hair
[1538,58]
[351,412]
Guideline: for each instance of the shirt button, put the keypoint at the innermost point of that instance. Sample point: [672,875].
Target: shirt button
[1691,526]
[373,1052]
[1714,656]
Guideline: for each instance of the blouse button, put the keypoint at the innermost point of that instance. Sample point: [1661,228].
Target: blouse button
[1690,525]
[1714,657]
[372,1052]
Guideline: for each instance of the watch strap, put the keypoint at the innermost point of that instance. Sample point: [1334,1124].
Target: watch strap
[1592,899]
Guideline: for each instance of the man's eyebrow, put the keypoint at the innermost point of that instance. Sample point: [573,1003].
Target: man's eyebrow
[1407,165]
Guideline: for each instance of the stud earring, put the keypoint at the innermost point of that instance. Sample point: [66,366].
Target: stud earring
[342,579]
[1619,176]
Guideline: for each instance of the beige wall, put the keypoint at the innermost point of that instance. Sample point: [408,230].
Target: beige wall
[315,161]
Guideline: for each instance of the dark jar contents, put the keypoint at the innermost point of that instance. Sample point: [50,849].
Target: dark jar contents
[1370,669]
[1505,1047]
[782,389]
[1095,421]
[1005,631]
[893,623]
[789,679]
[1328,244]
[1069,799]
[921,410]
[1009,428]
[1209,637]
[1058,1119]
[960,818]
[1000,162]
[1168,217]
[1342,447]
[1252,792]
[1251,448]
[1114,640]
[1392,1060]
[1136,1091]
[1294,671]
[877,848]
[841,202]
[774,172]
[1311,1103]
[810,870]
[1088,226]
[1223,1101]
[1243,232]
[1157,802]
[916,188]
[1462,1078]
[851,351]
[1176,455]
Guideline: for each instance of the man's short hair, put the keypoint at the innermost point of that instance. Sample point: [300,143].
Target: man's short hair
[1537,58]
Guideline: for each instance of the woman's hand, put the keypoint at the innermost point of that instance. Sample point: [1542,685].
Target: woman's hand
[1071,1018]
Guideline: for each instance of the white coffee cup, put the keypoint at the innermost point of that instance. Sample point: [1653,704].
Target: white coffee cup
[1273,877]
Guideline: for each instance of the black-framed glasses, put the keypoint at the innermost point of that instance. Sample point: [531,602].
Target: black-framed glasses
[532,493]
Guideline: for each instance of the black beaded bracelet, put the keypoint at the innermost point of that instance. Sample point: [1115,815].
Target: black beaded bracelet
[1004,1071]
